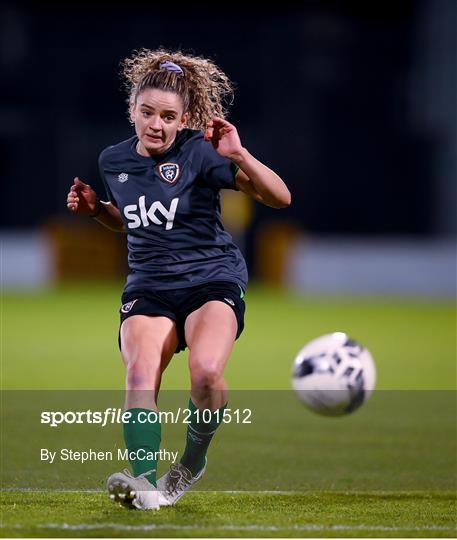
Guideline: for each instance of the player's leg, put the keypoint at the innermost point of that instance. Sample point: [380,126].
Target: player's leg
[210,333]
[147,345]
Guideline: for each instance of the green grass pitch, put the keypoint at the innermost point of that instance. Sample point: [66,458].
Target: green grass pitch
[388,470]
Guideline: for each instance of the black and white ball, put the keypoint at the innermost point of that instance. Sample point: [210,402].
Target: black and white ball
[333,375]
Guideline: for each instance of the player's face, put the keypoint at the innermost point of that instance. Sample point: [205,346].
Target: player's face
[158,115]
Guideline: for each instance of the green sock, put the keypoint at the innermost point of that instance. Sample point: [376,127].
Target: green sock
[143,438]
[199,435]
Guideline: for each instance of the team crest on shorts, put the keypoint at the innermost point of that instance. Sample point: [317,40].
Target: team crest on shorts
[128,306]
[169,172]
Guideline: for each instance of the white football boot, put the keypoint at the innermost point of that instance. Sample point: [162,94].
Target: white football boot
[133,491]
[174,484]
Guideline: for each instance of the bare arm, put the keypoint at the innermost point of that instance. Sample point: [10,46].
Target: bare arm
[82,200]
[253,178]
[110,217]
[257,180]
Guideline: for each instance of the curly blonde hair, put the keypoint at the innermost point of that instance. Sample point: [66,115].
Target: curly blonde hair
[204,88]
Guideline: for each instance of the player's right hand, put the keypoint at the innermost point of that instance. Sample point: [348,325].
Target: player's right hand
[82,199]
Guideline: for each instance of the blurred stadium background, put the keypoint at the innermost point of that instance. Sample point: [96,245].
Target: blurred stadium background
[354,104]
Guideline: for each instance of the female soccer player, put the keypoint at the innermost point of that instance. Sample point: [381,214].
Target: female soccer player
[187,279]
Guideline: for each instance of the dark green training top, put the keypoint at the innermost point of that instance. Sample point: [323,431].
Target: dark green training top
[170,205]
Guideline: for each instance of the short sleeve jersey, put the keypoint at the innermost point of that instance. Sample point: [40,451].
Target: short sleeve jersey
[170,205]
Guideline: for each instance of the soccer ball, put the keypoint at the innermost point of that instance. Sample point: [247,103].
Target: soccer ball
[333,375]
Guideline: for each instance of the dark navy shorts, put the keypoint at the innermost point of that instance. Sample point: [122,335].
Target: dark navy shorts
[178,304]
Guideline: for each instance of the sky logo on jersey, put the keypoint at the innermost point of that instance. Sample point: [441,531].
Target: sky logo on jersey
[149,215]
[169,172]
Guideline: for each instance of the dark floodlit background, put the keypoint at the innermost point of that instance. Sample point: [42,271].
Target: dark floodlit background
[353,104]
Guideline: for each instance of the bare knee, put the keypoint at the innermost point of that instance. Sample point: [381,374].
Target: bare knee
[141,374]
[148,343]
[207,374]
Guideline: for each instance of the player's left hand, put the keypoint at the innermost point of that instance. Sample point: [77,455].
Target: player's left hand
[223,136]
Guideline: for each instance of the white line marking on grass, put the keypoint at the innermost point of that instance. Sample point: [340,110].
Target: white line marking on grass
[236,492]
[257,492]
[33,490]
[272,528]
[232,492]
